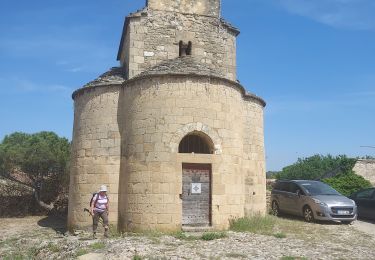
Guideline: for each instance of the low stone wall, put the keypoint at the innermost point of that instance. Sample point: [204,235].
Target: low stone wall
[268,196]
[366,168]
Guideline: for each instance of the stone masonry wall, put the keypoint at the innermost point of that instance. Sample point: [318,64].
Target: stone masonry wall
[366,168]
[254,159]
[95,152]
[153,37]
[156,114]
[201,7]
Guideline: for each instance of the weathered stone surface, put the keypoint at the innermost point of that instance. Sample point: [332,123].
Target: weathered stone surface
[183,65]
[201,7]
[154,35]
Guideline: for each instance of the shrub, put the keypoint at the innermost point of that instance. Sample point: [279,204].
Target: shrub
[348,183]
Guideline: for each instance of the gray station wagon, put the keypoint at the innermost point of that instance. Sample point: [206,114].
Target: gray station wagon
[312,200]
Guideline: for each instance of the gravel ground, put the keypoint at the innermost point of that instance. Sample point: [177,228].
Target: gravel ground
[44,238]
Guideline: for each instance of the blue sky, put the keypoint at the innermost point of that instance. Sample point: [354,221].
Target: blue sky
[312,61]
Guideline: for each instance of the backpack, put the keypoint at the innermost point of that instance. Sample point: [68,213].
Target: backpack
[97,198]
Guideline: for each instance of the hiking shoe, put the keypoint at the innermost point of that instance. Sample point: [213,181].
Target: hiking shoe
[94,235]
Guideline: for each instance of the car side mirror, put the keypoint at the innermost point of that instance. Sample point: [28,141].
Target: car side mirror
[298,193]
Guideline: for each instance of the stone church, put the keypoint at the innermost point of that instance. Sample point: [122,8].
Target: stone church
[172,133]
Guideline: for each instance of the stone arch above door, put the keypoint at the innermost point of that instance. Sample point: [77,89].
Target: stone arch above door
[195,127]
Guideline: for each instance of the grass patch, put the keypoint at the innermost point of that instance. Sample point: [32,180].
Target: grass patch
[152,233]
[279,235]
[14,256]
[9,241]
[82,251]
[256,224]
[97,246]
[182,236]
[20,254]
[53,248]
[235,255]
[213,235]
[137,257]
[32,252]
[205,236]
[114,233]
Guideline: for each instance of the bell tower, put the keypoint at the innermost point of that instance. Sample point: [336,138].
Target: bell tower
[200,7]
[168,29]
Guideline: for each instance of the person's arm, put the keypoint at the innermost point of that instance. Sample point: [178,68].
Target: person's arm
[93,204]
[107,206]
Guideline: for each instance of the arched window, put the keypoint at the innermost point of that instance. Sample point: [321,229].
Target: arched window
[196,143]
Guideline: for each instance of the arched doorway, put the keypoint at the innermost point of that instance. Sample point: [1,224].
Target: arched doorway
[196,142]
[196,181]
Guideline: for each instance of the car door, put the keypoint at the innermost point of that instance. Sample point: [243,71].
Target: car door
[292,199]
[372,206]
[365,203]
[280,194]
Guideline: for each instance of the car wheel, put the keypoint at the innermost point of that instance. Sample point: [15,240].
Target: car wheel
[308,214]
[275,209]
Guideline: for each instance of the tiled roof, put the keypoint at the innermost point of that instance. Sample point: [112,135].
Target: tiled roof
[115,75]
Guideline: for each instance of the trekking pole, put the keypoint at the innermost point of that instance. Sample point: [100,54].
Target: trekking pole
[88,211]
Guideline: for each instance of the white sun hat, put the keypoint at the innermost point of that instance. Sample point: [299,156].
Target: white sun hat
[103,188]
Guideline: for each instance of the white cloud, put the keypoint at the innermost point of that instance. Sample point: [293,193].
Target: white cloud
[349,14]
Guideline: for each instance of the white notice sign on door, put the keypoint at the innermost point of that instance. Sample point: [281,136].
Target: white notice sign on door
[196,188]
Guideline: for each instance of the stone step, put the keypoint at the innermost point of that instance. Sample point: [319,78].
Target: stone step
[197,229]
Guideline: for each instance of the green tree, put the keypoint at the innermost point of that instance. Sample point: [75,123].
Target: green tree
[335,171]
[348,183]
[43,157]
[317,167]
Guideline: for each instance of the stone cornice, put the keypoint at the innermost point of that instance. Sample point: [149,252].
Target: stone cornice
[246,95]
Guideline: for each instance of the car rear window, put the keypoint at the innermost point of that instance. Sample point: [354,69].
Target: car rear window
[281,186]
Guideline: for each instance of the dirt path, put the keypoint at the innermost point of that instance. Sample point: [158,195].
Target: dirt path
[44,238]
[13,227]
[365,227]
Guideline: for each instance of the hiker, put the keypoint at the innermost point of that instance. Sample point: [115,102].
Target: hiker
[100,209]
